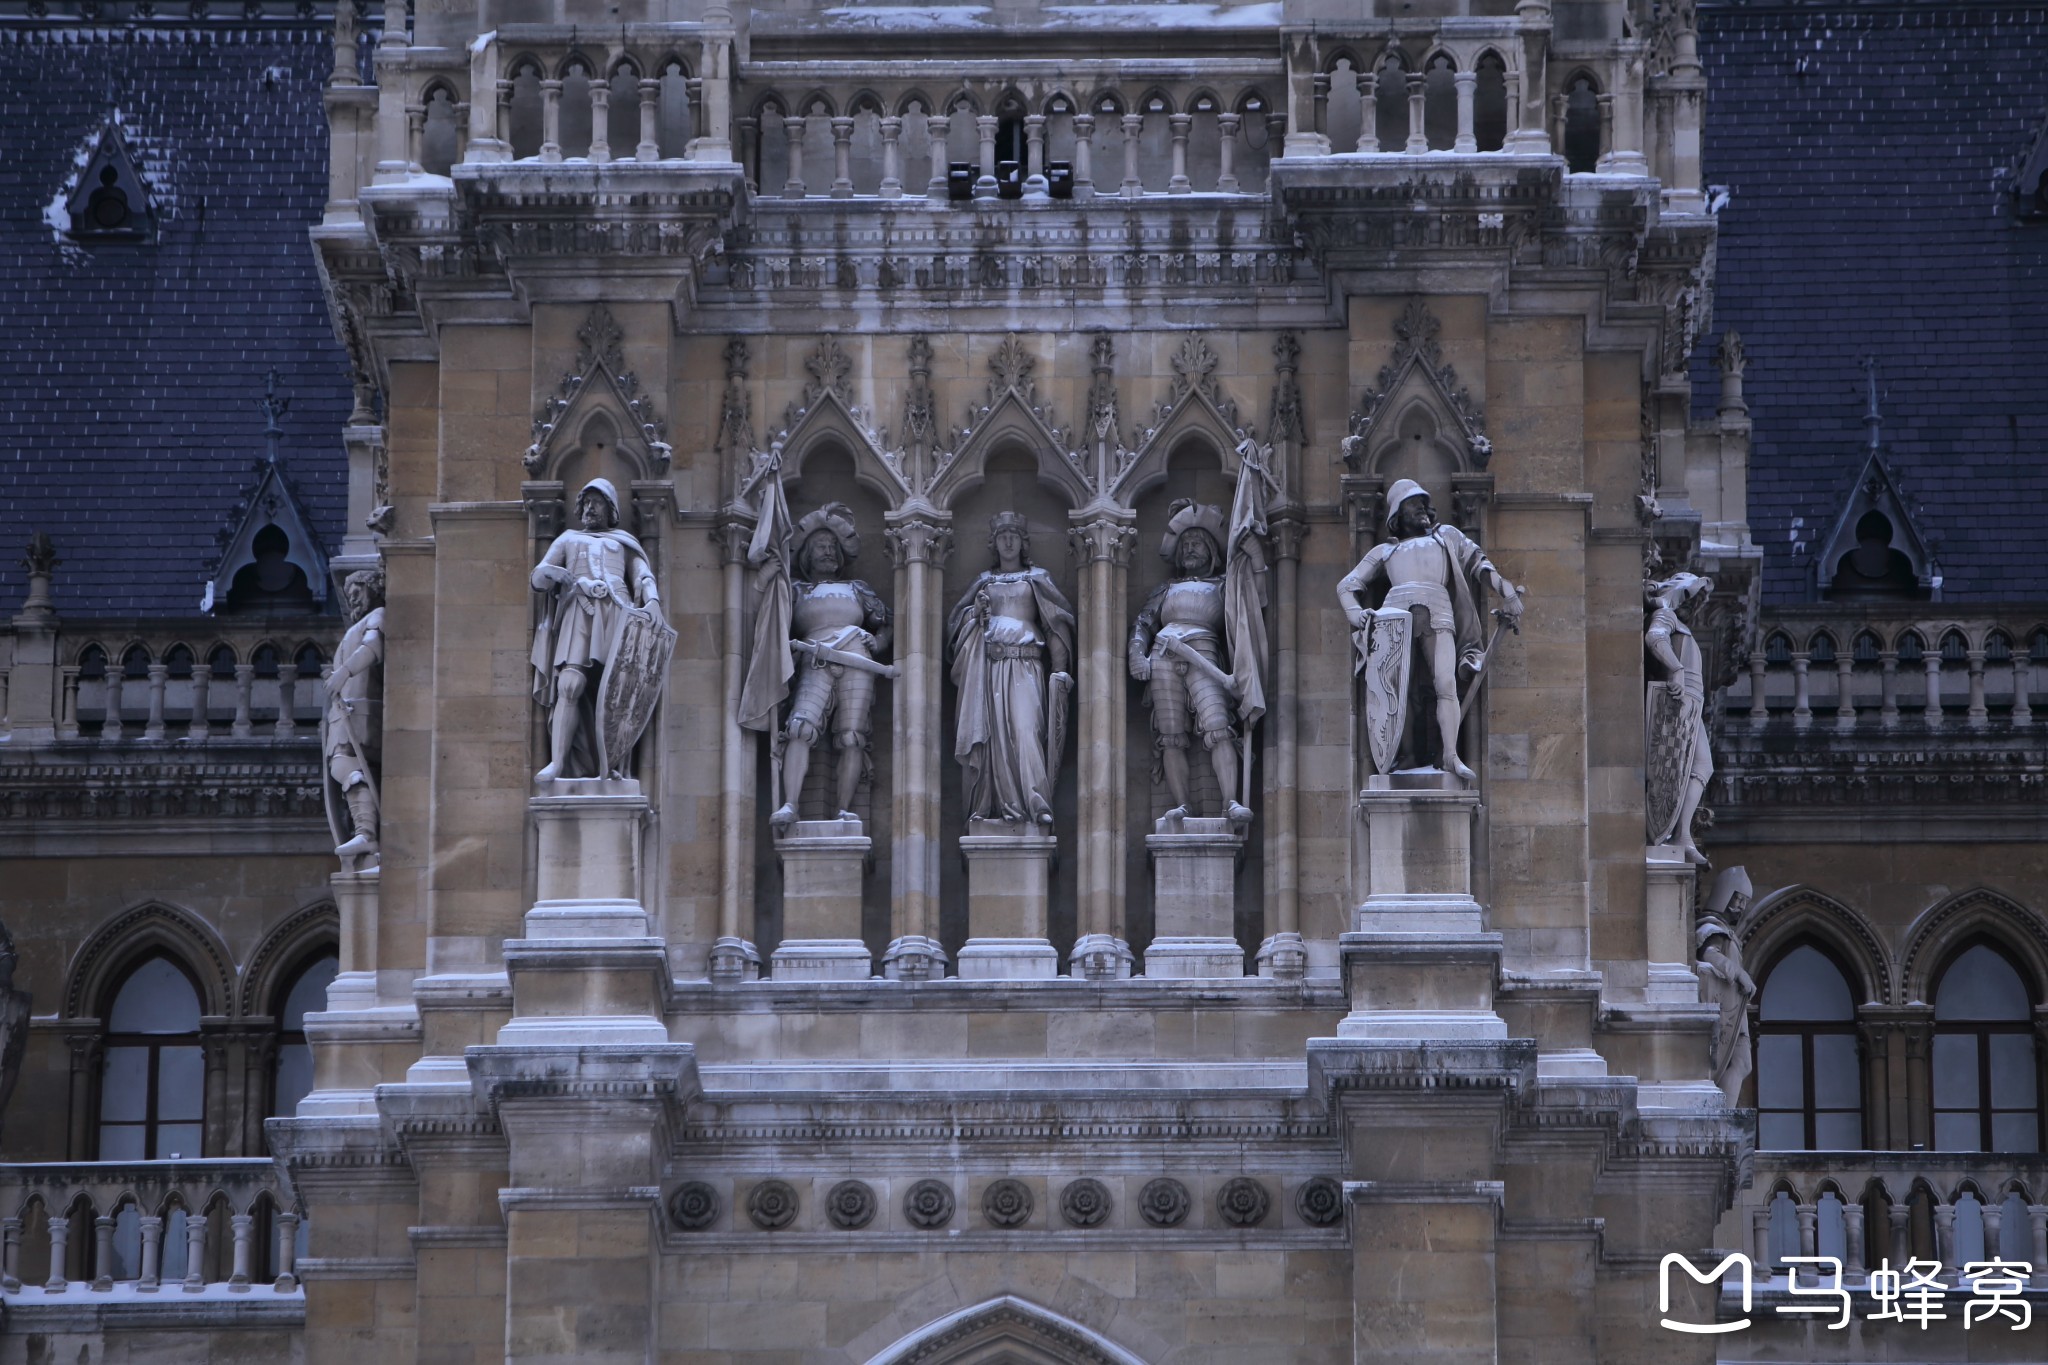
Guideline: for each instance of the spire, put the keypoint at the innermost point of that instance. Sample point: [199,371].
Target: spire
[274,409]
[1873,420]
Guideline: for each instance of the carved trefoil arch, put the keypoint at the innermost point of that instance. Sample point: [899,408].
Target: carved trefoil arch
[1012,416]
[1417,412]
[1006,1330]
[600,389]
[1195,405]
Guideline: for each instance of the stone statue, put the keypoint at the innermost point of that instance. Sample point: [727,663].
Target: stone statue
[1422,592]
[1724,983]
[837,626]
[14,1007]
[1199,647]
[352,726]
[1011,637]
[1677,751]
[600,656]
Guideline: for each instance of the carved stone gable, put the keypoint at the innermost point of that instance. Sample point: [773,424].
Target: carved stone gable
[1418,363]
[600,380]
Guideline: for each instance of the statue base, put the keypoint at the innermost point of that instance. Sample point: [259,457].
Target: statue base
[914,957]
[589,852]
[1668,919]
[1420,964]
[1100,957]
[734,960]
[1009,881]
[823,862]
[1194,898]
[1283,957]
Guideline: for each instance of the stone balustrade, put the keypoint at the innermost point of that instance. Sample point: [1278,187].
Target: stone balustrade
[181,682]
[139,1228]
[1866,1208]
[1909,666]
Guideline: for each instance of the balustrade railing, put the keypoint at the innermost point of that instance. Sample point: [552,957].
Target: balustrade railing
[1900,668]
[125,682]
[1869,1208]
[147,1227]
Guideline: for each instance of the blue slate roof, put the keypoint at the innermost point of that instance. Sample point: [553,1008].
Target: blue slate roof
[133,372]
[1861,146]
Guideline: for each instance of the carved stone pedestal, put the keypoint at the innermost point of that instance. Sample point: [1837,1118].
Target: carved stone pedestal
[1668,895]
[1009,879]
[1194,898]
[357,1033]
[1420,964]
[822,865]
[587,972]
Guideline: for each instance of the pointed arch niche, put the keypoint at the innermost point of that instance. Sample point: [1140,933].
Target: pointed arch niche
[1192,455]
[1015,471]
[826,459]
[599,424]
[1417,421]
[1004,1331]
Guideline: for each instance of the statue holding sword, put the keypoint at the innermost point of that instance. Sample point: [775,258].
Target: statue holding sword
[816,644]
[1199,643]
[1420,593]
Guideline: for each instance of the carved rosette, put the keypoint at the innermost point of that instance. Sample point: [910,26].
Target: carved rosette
[928,1204]
[694,1206]
[1164,1202]
[772,1205]
[1007,1203]
[1319,1202]
[850,1205]
[1242,1202]
[1085,1203]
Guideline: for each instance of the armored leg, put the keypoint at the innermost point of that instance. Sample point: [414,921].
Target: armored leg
[1443,662]
[562,721]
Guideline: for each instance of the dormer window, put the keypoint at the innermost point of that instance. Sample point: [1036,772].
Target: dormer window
[110,202]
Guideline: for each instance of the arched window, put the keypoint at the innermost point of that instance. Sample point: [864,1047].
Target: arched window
[1809,1086]
[1985,1078]
[153,1079]
[304,994]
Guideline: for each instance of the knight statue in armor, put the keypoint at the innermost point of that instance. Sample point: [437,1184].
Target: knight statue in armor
[352,726]
[1421,593]
[1723,981]
[600,655]
[837,627]
[1011,637]
[1679,753]
[1198,645]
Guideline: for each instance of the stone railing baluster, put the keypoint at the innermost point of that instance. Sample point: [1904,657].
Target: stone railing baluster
[287,1253]
[1178,124]
[195,1253]
[152,1254]
[159,680]
[842,157]
[1418,135]
[244,1226]
[600,119]
[1467,83]
[892,158]
[550,120]
[1845,689]
[1084,156]
[1802,708]
[1227,126]
[1134,127]
[202,684]
[60,1249]
[938,128]
[793,126]
[649,148]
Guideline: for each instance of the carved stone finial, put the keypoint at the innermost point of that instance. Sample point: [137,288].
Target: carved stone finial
[1873,420]
[40,560]
[1730,355]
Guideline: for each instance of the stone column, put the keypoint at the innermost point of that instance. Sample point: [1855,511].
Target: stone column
[1084,156]
[10,1251]
[1178,182]
[713,142]
[245,1238]
[1418,135]
[750,148]
[1978,714]
[1467,83]
[1035,187]
[112,728]
[1605,104]
[1759,697]
[1930,665]
[1845,689]
[550,120]
[286,724]
[1134,126]
[1304,135]
[1319,97]
[734,957]
[919,544]
[1888,662]
[1802,702]
[202,683]
[600,119]
[195,1253]
[1283,953]
[1227,126]
[147,1282]
[892,158]
[793,139]
[159,679]
[842,158]
[649,148]
[1852,1240]
[2022,711]
[1102,541]
[60,1247]
[985,186]
[287,1253]
[103,1254]
[1368,111]
[938,128]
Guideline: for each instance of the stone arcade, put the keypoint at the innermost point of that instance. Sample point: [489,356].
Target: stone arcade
[1023,685]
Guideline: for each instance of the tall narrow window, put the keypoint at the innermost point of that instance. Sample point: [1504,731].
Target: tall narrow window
[1809,1087]
[306,994]
[1986,1095]
[153,1086]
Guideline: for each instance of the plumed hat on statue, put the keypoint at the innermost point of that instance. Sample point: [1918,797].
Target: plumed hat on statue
[1402,490]
[1189,515]
[837,518]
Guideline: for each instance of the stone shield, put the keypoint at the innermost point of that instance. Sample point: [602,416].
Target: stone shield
[1385,668]
[1671,733]
[634,672]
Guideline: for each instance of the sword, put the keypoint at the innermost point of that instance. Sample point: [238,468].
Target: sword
[825,654]
[1502,624]
[1180,649]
